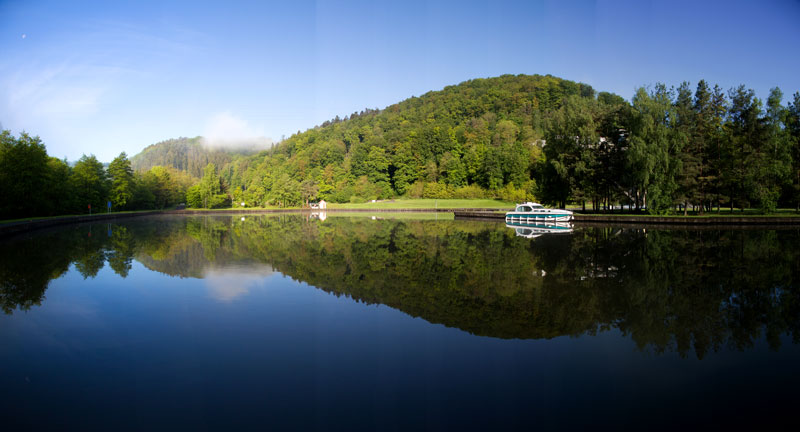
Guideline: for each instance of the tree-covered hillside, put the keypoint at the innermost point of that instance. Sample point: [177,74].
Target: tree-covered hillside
[545,138]
[511,137]
[470,140]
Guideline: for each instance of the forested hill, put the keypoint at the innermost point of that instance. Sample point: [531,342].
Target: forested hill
[532,137]
[470,139]
[186,154]
[512,137]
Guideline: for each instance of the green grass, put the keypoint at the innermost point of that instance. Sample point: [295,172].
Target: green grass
[421,204]
[393,215]
[426,204]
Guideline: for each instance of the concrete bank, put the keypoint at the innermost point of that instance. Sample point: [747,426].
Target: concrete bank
[654,220]
[680,220]
[333,210]
[10,228]
[498,214]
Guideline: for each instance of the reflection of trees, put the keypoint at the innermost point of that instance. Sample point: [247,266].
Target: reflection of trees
[29,263]
[123,247]
[696,290]
[668,290]
[26,268]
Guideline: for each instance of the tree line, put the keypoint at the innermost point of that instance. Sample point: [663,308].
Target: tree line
[35,184]
[512,137]
[540,137]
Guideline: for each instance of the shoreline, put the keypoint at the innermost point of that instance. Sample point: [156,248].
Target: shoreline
[18,227]
[653,220]
[12,228]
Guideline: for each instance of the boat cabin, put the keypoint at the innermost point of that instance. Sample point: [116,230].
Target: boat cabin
[529,207]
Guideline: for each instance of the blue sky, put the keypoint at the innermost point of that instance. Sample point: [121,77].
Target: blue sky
[102,77]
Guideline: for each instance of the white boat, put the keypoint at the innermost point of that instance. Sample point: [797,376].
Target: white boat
[536,213]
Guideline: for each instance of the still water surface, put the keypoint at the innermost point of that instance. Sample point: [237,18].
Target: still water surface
[286,322]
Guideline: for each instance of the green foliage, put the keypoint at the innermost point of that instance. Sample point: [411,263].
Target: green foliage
[90,184]
[24,176]
[186,154]
[163,187]
[668,150]
[655,149]
[286,191]
[34,184]
[123,187]
[436,190]
[792,122]
[570,149]
[480,132]
[537,137]
[208,192]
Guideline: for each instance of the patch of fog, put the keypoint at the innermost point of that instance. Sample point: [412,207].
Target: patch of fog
[227,131]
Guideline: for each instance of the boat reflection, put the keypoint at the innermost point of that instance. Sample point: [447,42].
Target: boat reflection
[533,230]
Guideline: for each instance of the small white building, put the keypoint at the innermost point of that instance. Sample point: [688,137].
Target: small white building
[323,205]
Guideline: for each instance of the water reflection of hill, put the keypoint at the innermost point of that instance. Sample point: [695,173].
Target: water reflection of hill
[668,290]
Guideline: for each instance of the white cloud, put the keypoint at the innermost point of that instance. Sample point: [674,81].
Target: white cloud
[229,131]
[226,285]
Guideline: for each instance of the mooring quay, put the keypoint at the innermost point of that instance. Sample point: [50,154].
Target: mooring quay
[654,220]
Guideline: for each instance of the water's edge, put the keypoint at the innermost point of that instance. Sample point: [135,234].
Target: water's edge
[648,220]
[12,228]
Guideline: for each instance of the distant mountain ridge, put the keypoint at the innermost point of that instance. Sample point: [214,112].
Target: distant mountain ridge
[188,154]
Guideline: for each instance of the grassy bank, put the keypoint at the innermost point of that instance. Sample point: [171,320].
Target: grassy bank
[391,215]
[426,204]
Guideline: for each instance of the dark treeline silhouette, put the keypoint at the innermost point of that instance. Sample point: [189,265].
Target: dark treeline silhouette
[511,137]
[685,291]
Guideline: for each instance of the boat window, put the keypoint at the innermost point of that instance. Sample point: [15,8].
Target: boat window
[537,206]
[524,208]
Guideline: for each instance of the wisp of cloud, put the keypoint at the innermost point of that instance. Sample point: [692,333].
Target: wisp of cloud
[227,131]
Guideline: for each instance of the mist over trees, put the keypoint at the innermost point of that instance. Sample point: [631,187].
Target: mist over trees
[526,137]
[186,154]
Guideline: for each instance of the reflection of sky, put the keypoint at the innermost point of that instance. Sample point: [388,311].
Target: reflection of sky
[157,349]
[230,283]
